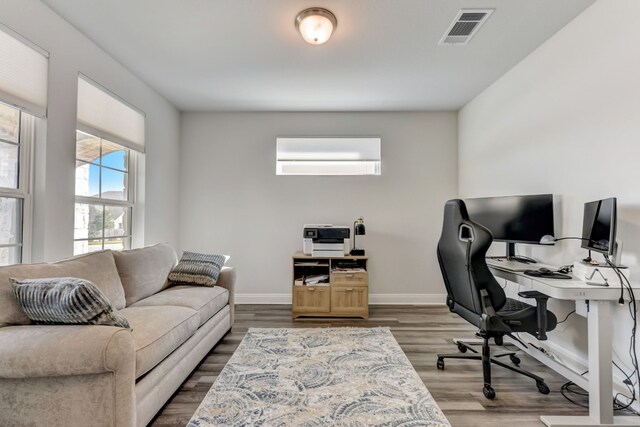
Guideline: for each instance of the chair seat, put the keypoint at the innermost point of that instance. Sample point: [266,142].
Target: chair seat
[514,309]
[525,315]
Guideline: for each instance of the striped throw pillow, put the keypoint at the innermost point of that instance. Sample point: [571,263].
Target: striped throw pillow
[65,300]
[197,269]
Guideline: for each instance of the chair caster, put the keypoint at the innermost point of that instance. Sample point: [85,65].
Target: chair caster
[542,387]
[488,392]
[462,348]
[515,359]
[440,363]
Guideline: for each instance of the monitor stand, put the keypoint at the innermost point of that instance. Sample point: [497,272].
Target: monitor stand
[511,255]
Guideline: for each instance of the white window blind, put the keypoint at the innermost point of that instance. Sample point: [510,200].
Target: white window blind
[104,115]
[23,73]
[328,156]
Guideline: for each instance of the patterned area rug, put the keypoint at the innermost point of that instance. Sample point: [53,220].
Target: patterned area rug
[319,377]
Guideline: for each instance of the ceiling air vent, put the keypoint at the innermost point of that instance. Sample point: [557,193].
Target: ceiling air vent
[465,25]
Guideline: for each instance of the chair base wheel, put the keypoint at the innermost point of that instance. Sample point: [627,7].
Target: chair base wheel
[440,364]
[515,359]
[488,392]
[543,388]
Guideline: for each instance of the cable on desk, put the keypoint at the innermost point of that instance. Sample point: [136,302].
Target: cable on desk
[617,405]
[569,388]
[626,407]
[565,319]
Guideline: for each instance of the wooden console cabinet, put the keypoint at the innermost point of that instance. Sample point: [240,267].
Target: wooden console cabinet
[345,295]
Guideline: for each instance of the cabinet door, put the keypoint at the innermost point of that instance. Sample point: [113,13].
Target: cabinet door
[350,300]
[311,299]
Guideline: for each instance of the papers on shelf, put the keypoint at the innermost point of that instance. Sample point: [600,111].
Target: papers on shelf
[317,280]
[314,280]
[311,264]
[349,270]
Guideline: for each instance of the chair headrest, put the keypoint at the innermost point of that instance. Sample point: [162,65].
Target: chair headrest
[456,210]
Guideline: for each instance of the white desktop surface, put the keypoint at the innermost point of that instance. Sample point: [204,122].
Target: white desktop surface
[567,289]
[600,382]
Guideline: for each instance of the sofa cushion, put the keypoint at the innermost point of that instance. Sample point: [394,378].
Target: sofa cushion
[197,269]
[144,271]
[97,267]
[65,300]
[206,301]
[157,331]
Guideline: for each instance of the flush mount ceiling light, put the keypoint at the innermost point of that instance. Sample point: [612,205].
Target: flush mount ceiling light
[316,24]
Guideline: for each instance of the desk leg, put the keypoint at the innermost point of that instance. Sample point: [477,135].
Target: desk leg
[600,364]
[600,375]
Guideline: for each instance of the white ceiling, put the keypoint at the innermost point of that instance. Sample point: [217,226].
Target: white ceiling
[247,54]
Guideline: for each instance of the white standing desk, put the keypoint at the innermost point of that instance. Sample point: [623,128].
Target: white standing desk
[600,381]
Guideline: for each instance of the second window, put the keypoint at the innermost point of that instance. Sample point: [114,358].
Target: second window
[104,195]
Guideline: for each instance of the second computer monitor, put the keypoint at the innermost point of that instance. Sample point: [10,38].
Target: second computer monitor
[599,226]
[514,219]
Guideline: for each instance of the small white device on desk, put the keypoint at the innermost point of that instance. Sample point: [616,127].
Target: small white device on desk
[326,240]
[599,274]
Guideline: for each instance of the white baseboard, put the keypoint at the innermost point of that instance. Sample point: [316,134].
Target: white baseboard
[401,299]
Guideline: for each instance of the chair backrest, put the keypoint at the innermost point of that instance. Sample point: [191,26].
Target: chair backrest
[461,253]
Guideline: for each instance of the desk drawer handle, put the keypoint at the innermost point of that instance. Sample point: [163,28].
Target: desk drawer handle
[349,275]
[349,289]
[312,289]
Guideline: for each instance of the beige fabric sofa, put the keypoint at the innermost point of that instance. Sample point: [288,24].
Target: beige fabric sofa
[103,375]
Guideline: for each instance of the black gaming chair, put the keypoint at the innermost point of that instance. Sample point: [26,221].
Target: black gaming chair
[474,294]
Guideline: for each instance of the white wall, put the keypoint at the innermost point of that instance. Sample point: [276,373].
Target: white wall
[566,120]
[232,201]
[71,53]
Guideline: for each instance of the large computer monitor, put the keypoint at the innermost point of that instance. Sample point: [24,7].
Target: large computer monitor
[514,219]
[599,226]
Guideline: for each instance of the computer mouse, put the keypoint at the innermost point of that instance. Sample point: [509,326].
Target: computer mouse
[565,269]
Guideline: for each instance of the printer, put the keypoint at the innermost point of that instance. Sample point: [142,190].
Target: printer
[326,240]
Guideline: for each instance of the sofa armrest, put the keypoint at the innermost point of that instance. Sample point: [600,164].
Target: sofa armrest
[73,375]
[60,350]
[227,280]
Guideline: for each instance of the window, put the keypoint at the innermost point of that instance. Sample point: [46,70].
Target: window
[23,97]
[16,133]
[103,195]
[328,156]
[109,138]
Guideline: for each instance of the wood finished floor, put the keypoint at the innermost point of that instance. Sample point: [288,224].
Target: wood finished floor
[422,332]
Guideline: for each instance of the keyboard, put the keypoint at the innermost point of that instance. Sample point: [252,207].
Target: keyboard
[515,266]
[547,274]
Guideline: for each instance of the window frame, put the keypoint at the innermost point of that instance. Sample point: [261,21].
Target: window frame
[130,203]
[24,190]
